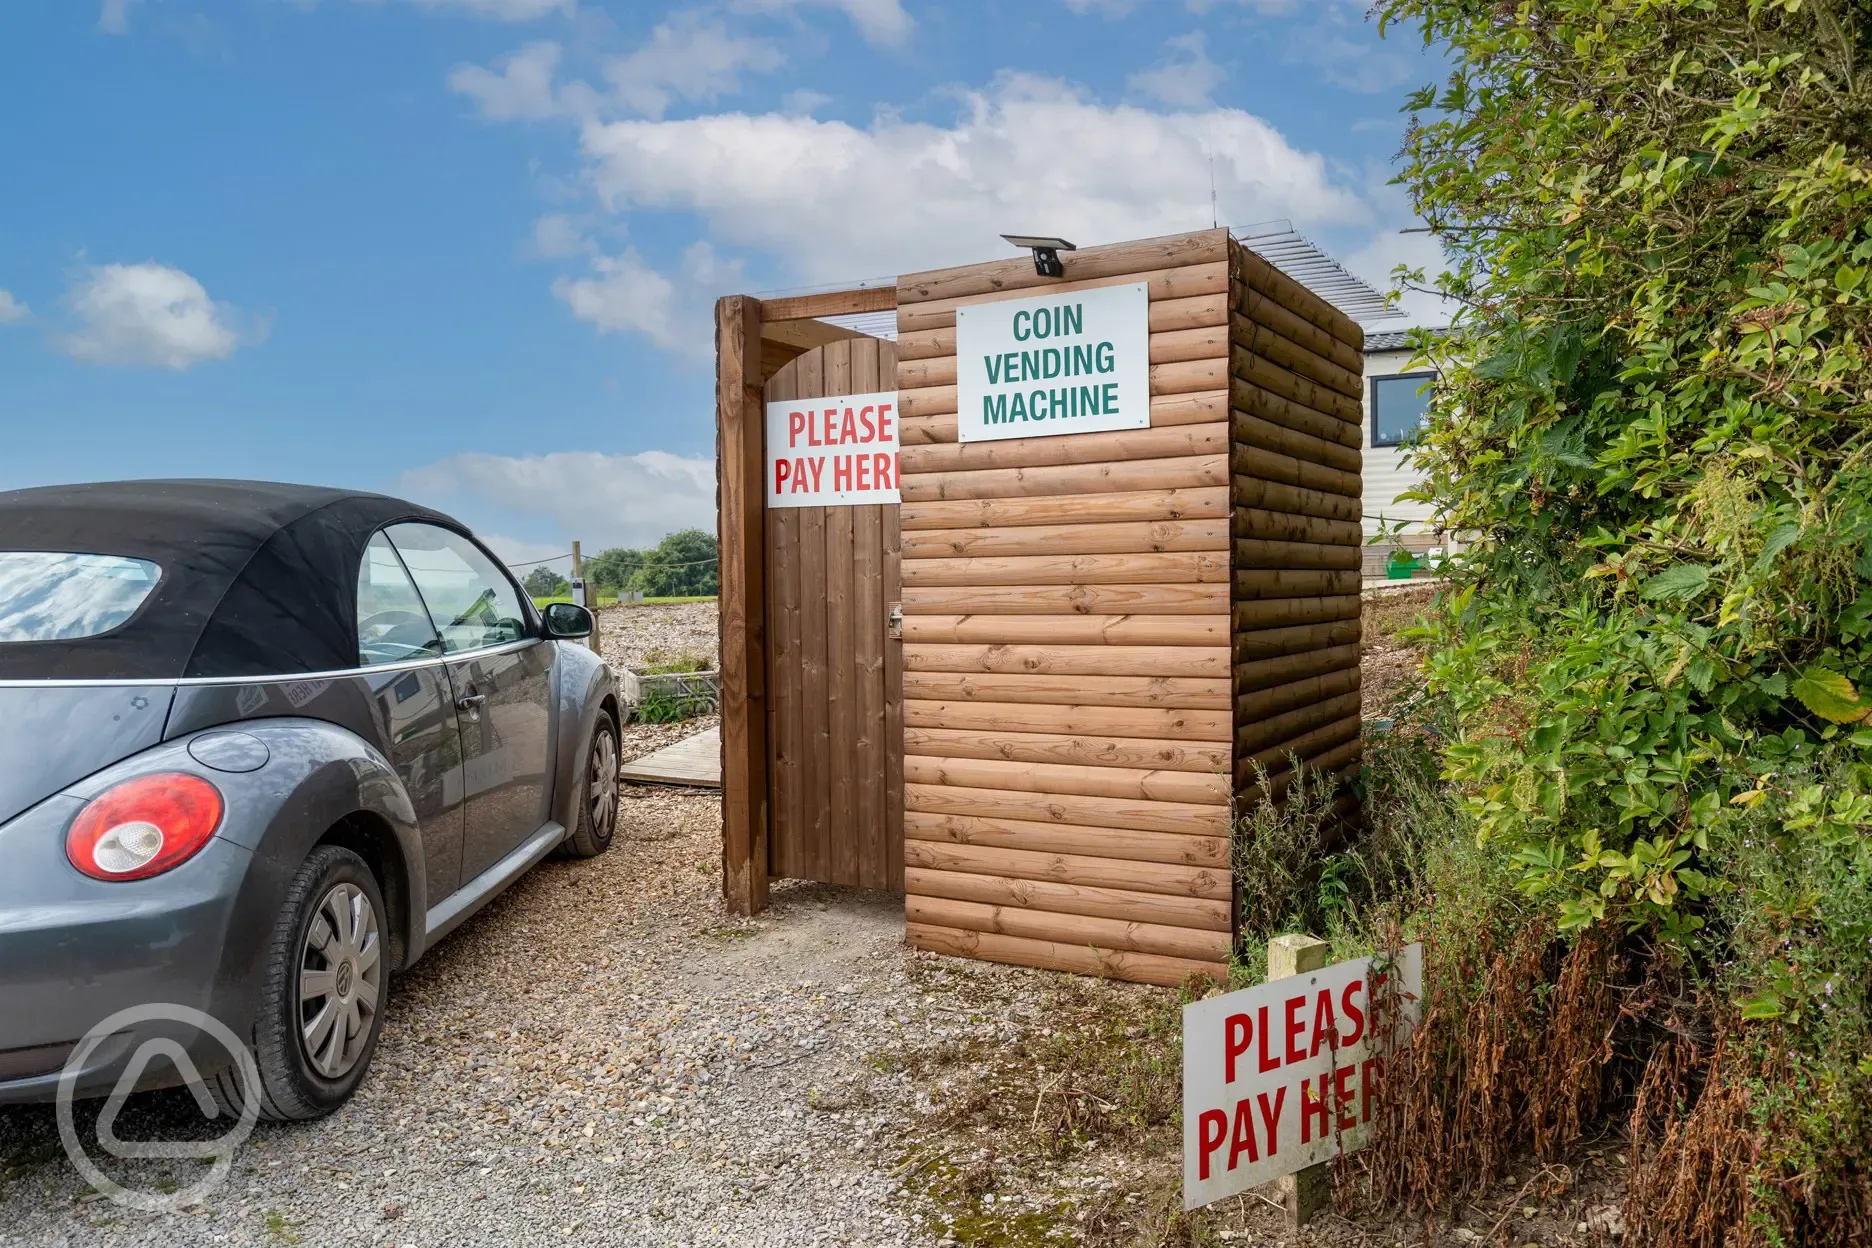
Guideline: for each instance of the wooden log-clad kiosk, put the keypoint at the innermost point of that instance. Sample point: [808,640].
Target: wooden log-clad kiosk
[1031,694]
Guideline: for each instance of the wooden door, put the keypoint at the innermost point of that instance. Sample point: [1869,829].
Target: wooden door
[834,675]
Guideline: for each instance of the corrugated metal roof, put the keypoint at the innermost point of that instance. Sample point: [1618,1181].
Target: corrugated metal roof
[1300,258]
[1387,340]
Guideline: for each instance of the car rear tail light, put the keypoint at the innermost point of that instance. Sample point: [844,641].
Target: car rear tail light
[144,827]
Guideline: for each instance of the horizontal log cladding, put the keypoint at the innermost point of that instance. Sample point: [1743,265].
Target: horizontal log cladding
[1265,373]
[1265,404]
[1209,883]
[1263,277]
[1082,630]
[1133,783]
[1257,583]
[1113,261]
[1172,723]
[1297,358]
[1250,430]
[1084,448]
[1151,568]
[1110,903]
[1173,692]
[1085,750]
[974,916]
[1067,838]
[1254,461]
[1189,818]
[1190,598]
[1124,476]
[1257,307]
[1190,281]
[1251,552]
[1260,734]
[1320,741]
[1197,407]
[1068,954]
[1259,522]
[1264,703]
[1103,660]
[1340,761]
[1253,492]
[1280,612]
[1284,669]
[1123,537]
[1193,503]
[1272,643]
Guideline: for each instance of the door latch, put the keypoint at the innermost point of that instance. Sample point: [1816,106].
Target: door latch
[893,622]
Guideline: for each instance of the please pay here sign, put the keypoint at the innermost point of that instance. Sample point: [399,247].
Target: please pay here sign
[1075,362]
[1284,1075]
[832,452]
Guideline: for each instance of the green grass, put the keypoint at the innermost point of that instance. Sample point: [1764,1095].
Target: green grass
[606,601]
[541,602]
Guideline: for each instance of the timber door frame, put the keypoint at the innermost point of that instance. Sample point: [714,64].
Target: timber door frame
[753,339]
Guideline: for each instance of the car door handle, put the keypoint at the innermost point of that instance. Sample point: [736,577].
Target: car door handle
[471,703]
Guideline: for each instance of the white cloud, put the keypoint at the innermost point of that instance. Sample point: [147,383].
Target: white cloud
[522,89]
[832,201]
[1185,78]
[12,311]
[626,295]
[687,58]
[1105,8]
[879,21]
[557,236]
[602,500]
[149,315]
[114,17]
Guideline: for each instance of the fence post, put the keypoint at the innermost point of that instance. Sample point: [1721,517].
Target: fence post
[1308,1191]
[591,598]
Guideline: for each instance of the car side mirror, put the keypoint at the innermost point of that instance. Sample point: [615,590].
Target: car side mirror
[568,620]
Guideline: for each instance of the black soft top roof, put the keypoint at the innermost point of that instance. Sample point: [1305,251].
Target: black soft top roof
[258,578]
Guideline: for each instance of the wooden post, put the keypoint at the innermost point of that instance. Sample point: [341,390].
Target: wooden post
[740,426]
[591,596]
[1310,1190]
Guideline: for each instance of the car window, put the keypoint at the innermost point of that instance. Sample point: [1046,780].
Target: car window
[54,596]
[472,602]
[393,624]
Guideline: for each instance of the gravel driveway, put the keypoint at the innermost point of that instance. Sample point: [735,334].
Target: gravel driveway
[600,1057]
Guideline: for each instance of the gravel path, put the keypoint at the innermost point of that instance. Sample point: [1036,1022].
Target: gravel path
[600,1057]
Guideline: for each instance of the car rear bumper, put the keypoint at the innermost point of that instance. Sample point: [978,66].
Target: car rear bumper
[74,951]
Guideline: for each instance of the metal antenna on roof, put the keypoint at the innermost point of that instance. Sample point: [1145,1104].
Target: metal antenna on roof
[1215,217]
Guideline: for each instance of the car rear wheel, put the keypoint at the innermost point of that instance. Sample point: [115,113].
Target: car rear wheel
[596,822]
[323,992]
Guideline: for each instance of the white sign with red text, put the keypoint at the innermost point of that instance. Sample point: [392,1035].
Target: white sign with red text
[1284,1075]
[832,452]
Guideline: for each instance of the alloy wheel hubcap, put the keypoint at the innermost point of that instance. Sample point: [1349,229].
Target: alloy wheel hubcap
[340,980]
[604,783]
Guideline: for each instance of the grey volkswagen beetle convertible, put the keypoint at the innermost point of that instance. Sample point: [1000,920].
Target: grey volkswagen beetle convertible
[260,747]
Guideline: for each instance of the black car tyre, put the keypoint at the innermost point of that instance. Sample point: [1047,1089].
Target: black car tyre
[596,821]
[324,986]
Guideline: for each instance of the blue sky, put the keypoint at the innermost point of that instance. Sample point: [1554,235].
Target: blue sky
[466,250]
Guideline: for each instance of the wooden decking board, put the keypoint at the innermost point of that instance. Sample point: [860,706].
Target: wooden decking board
[693,761]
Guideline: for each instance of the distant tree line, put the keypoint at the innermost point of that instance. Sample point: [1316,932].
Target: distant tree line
[681,565]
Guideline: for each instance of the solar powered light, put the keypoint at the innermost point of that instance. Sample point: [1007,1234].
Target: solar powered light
[1045,252]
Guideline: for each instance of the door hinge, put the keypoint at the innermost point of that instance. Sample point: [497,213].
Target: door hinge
[894,621]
